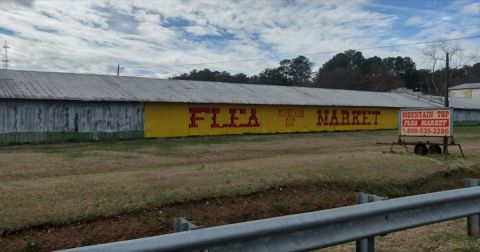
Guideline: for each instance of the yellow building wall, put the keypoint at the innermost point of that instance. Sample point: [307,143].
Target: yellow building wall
[178,119]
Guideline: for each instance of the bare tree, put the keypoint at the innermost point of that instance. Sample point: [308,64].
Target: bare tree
[435,54]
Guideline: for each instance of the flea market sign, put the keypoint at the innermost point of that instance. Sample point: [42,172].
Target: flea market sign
[241,117]
[169,120]
[426,122]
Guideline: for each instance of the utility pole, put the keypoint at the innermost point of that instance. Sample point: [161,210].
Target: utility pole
[118,69]
[447,71]
[5,61]
[447,68]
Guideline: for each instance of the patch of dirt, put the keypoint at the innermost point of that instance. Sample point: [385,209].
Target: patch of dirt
[155,221]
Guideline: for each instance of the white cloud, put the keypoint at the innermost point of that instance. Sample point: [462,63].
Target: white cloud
[446,18]
[414,21]
[152,38]
[471,9]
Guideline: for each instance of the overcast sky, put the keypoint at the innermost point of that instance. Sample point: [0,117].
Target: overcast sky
[154,38]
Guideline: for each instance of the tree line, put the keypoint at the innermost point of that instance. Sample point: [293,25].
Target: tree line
[348,70]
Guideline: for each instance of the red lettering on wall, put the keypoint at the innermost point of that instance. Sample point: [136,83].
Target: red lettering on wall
[355,114]
[233,122]
[215,112]
[376,113]
[233,118]
[365,118]
[345,117]
[326,117]
[194,118]
[321,119]
[334,119]
[253,118]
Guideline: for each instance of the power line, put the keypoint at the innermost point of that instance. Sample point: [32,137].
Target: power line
[314,53]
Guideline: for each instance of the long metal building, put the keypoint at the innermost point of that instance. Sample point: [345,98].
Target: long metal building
[46,106]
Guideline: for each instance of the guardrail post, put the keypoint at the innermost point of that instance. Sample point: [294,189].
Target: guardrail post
[473,221]
[180,224]
[367,244]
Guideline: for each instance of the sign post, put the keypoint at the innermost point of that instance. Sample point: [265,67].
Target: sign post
[447,104]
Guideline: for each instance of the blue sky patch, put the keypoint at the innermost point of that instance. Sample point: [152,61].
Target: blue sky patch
[46,29]
[175,22]
[7,31]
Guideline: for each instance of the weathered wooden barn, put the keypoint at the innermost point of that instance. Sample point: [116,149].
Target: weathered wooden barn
[46,106]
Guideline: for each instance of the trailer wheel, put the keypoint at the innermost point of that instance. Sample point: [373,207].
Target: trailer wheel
[435,149]
[421,149]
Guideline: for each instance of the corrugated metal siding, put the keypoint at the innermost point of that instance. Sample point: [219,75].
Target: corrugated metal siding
[465,103]
[32,121]
[466,117]
[87,87]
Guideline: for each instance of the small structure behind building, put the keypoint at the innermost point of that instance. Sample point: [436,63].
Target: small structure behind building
[466,90]
[466,109]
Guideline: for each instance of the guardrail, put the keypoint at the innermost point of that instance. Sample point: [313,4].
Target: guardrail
[367,244]
[473,221]
[314,230]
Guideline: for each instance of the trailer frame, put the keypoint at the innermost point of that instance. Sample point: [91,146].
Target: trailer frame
[428,144]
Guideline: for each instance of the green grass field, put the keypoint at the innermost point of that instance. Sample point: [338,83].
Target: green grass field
[62,183]
[57,183]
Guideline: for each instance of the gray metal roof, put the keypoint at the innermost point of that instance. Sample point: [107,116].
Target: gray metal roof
[466,86]
[464,103]
[439,101]
[16,84]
